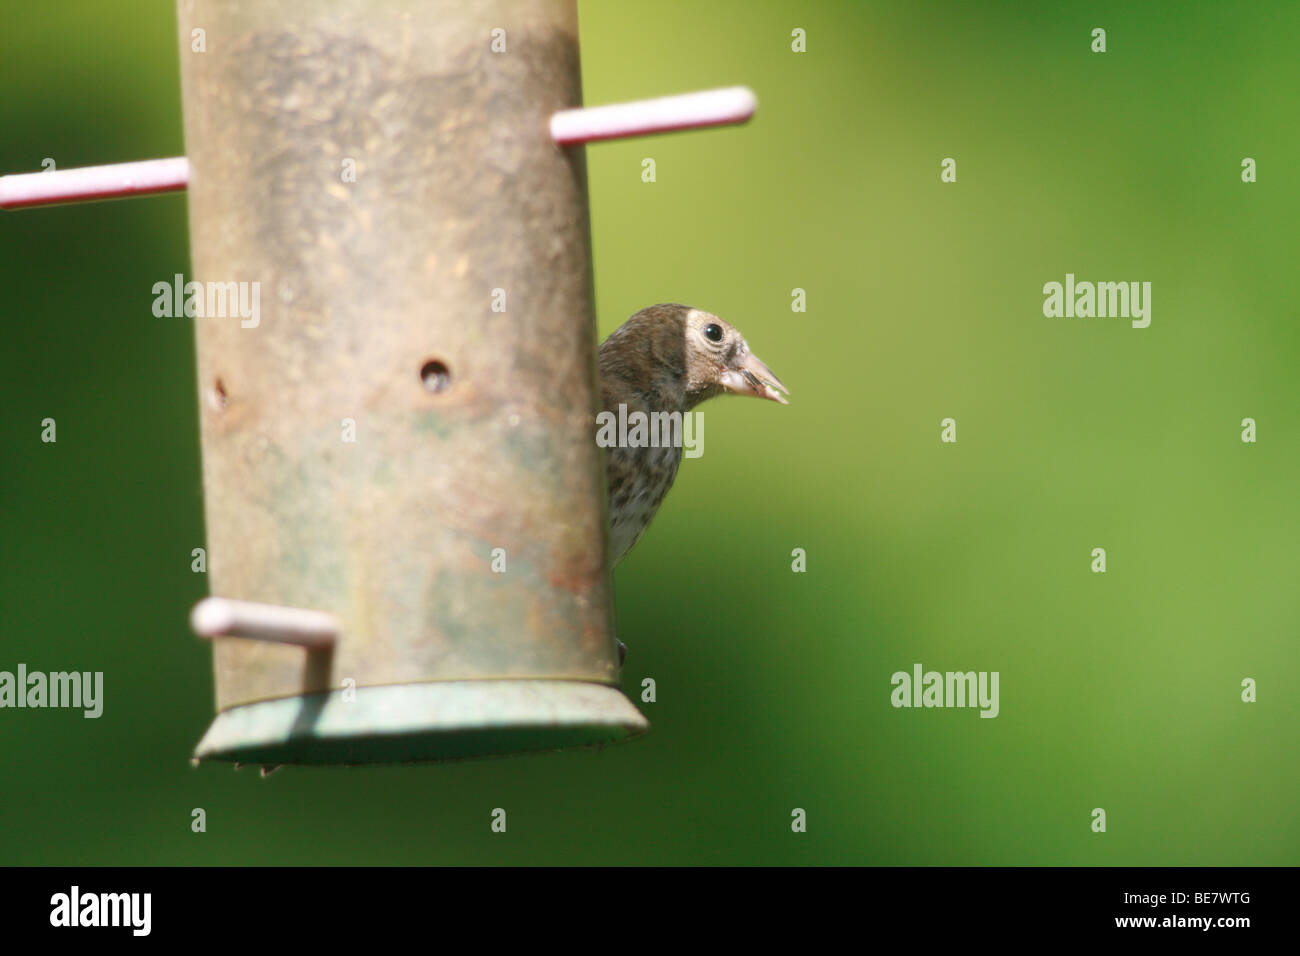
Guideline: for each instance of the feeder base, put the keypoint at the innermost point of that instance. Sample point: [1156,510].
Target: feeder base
[406,723]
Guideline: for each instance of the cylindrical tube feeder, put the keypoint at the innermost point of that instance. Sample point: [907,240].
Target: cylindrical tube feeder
[397,418]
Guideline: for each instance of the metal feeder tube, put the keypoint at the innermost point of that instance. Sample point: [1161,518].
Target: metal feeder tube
[378,430]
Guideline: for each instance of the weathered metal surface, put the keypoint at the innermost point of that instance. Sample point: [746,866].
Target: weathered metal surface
[444,720]
[459,191]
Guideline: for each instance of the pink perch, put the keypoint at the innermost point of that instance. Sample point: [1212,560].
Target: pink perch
[732,104]
[94,182]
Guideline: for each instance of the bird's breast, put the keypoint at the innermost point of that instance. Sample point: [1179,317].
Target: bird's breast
[639,478]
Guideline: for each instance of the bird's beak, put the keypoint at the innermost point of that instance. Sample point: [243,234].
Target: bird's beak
[751,377]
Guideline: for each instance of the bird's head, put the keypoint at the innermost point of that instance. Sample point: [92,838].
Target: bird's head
[718,359]
[691,351]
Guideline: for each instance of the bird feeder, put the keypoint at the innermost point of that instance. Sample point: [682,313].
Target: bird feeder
[405,504]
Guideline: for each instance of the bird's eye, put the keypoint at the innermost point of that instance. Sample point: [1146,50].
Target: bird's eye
[713,332]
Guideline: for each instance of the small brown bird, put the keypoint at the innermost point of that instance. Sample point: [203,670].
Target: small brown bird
[667,358]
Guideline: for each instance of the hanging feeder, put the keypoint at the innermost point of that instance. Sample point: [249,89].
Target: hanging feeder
[405,505]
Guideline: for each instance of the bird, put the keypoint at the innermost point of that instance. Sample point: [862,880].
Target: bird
[665,358]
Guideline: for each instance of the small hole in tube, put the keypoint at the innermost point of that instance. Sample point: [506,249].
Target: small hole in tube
[435,375]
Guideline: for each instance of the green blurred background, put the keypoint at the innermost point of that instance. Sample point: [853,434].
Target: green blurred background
[1118,690]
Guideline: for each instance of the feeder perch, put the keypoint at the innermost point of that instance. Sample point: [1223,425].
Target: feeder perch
[405,505]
